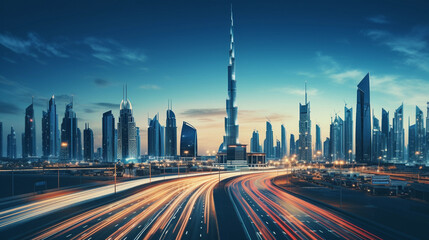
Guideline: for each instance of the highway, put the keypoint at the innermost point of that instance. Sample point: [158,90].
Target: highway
[267,212]
[176,209]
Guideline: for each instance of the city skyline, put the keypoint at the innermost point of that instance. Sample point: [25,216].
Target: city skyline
[39,51]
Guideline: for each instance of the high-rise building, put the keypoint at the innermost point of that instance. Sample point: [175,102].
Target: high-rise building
[385,129]
[277,148]
[284,143]
[412,151]
[29,142]
[188,141]
[318,141]
[255,147]
[231,124]
[155,138]
[292,148]
[11,144]
[363,122]
[109,138]
[398,134]
[268,142]
[326,149]
[138,141]
[127,146]
[88,143]
[79,145]
[1,139]
[348,133]
[304,148]
[69,137]
[420,150]
[377,143]
[337,139]
[50,130]
[427,133]
[22,143]
[170,134]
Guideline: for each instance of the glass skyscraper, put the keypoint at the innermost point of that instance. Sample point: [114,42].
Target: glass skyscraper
[50,130]
[268,143]
[385,134]
[138,141]
[337,139]
[363,122]
[304,147]
[377,144]
[188,141]
[283,142]
[127,146]
[11,144]
[109,138]
[29,141]
[79,144]
[254,142]
[348,133]
[88,143]
[69,137]
[155,138]
[1,139]
[231,124]
[420,136]
[292,148]
[170,134]
[398,134]
[318,139]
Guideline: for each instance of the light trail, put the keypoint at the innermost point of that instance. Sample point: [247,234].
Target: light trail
[275,214]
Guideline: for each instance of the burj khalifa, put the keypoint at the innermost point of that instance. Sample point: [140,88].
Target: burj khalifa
[231,124]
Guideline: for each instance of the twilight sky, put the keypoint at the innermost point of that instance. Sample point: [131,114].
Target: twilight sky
[179,50]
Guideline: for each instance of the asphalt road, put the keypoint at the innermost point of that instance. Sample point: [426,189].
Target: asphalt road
[267,212]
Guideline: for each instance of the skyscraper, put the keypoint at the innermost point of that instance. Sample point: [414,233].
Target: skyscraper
[284,143]
[337,139]
[127,146]
[155,139]
[231,124]
[363,122]
[420,136]
[138,141]
[377,144]
[109,137]
[385,129]
[348,133]
[29,142]
[11,144]
[50,131]
[304,148]
[254,142]
[277,148]
[292,148]
[398,134]
[268,143]
[412,153]
[188,141]
[318,140]
[1,139]
[88,143]
[170,134]
[69,138]
[326,149]
[427,133]
[79,145]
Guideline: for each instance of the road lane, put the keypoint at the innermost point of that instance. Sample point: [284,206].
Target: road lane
[270,213]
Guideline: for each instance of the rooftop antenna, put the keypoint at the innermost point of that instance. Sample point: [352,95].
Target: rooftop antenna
[126,91]
[123,92]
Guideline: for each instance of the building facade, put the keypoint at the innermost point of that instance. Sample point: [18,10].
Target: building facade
[255,147]
[170,135]
[50,130]
[363,122]
[268,142]
[109,138]
[88,143]
[348,133]
[69,135]
[127,146]
[29,142]
[11,144]
[155,138]
[398,135]
[304,147]
[283,142]
[188,141]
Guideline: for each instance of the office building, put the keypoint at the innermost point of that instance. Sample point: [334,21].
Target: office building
[109,138]
[398,135]
[170,134]
[29,141]
[50,130]
[268,142]
[304,147]
[11,144]
[255,147]
[69,137]
[363,122]
[283,142]
[155,138]
[292,148]
[127,145]
[188,141]
[348,133]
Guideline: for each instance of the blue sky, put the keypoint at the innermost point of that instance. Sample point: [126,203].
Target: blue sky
[179,50]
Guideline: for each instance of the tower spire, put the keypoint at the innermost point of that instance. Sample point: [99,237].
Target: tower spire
[305,92]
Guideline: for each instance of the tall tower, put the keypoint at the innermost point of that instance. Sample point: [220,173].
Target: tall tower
[283,142]
[363,122]
[231,124]
[348,133]
[127,146]
[170,133]
[50,131]
[109,137]
[69,140]
[304,148]
[29,146]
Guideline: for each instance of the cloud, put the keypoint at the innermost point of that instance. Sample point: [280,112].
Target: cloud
[9,108]
[413,90]
[297,91]
[379,19]
[412,46]
[150,86]
[63,98]
[101,82]
[32,46]
[89,110]
[342,77]
[107,105]
[326,63]
[110,51]
[204,112]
